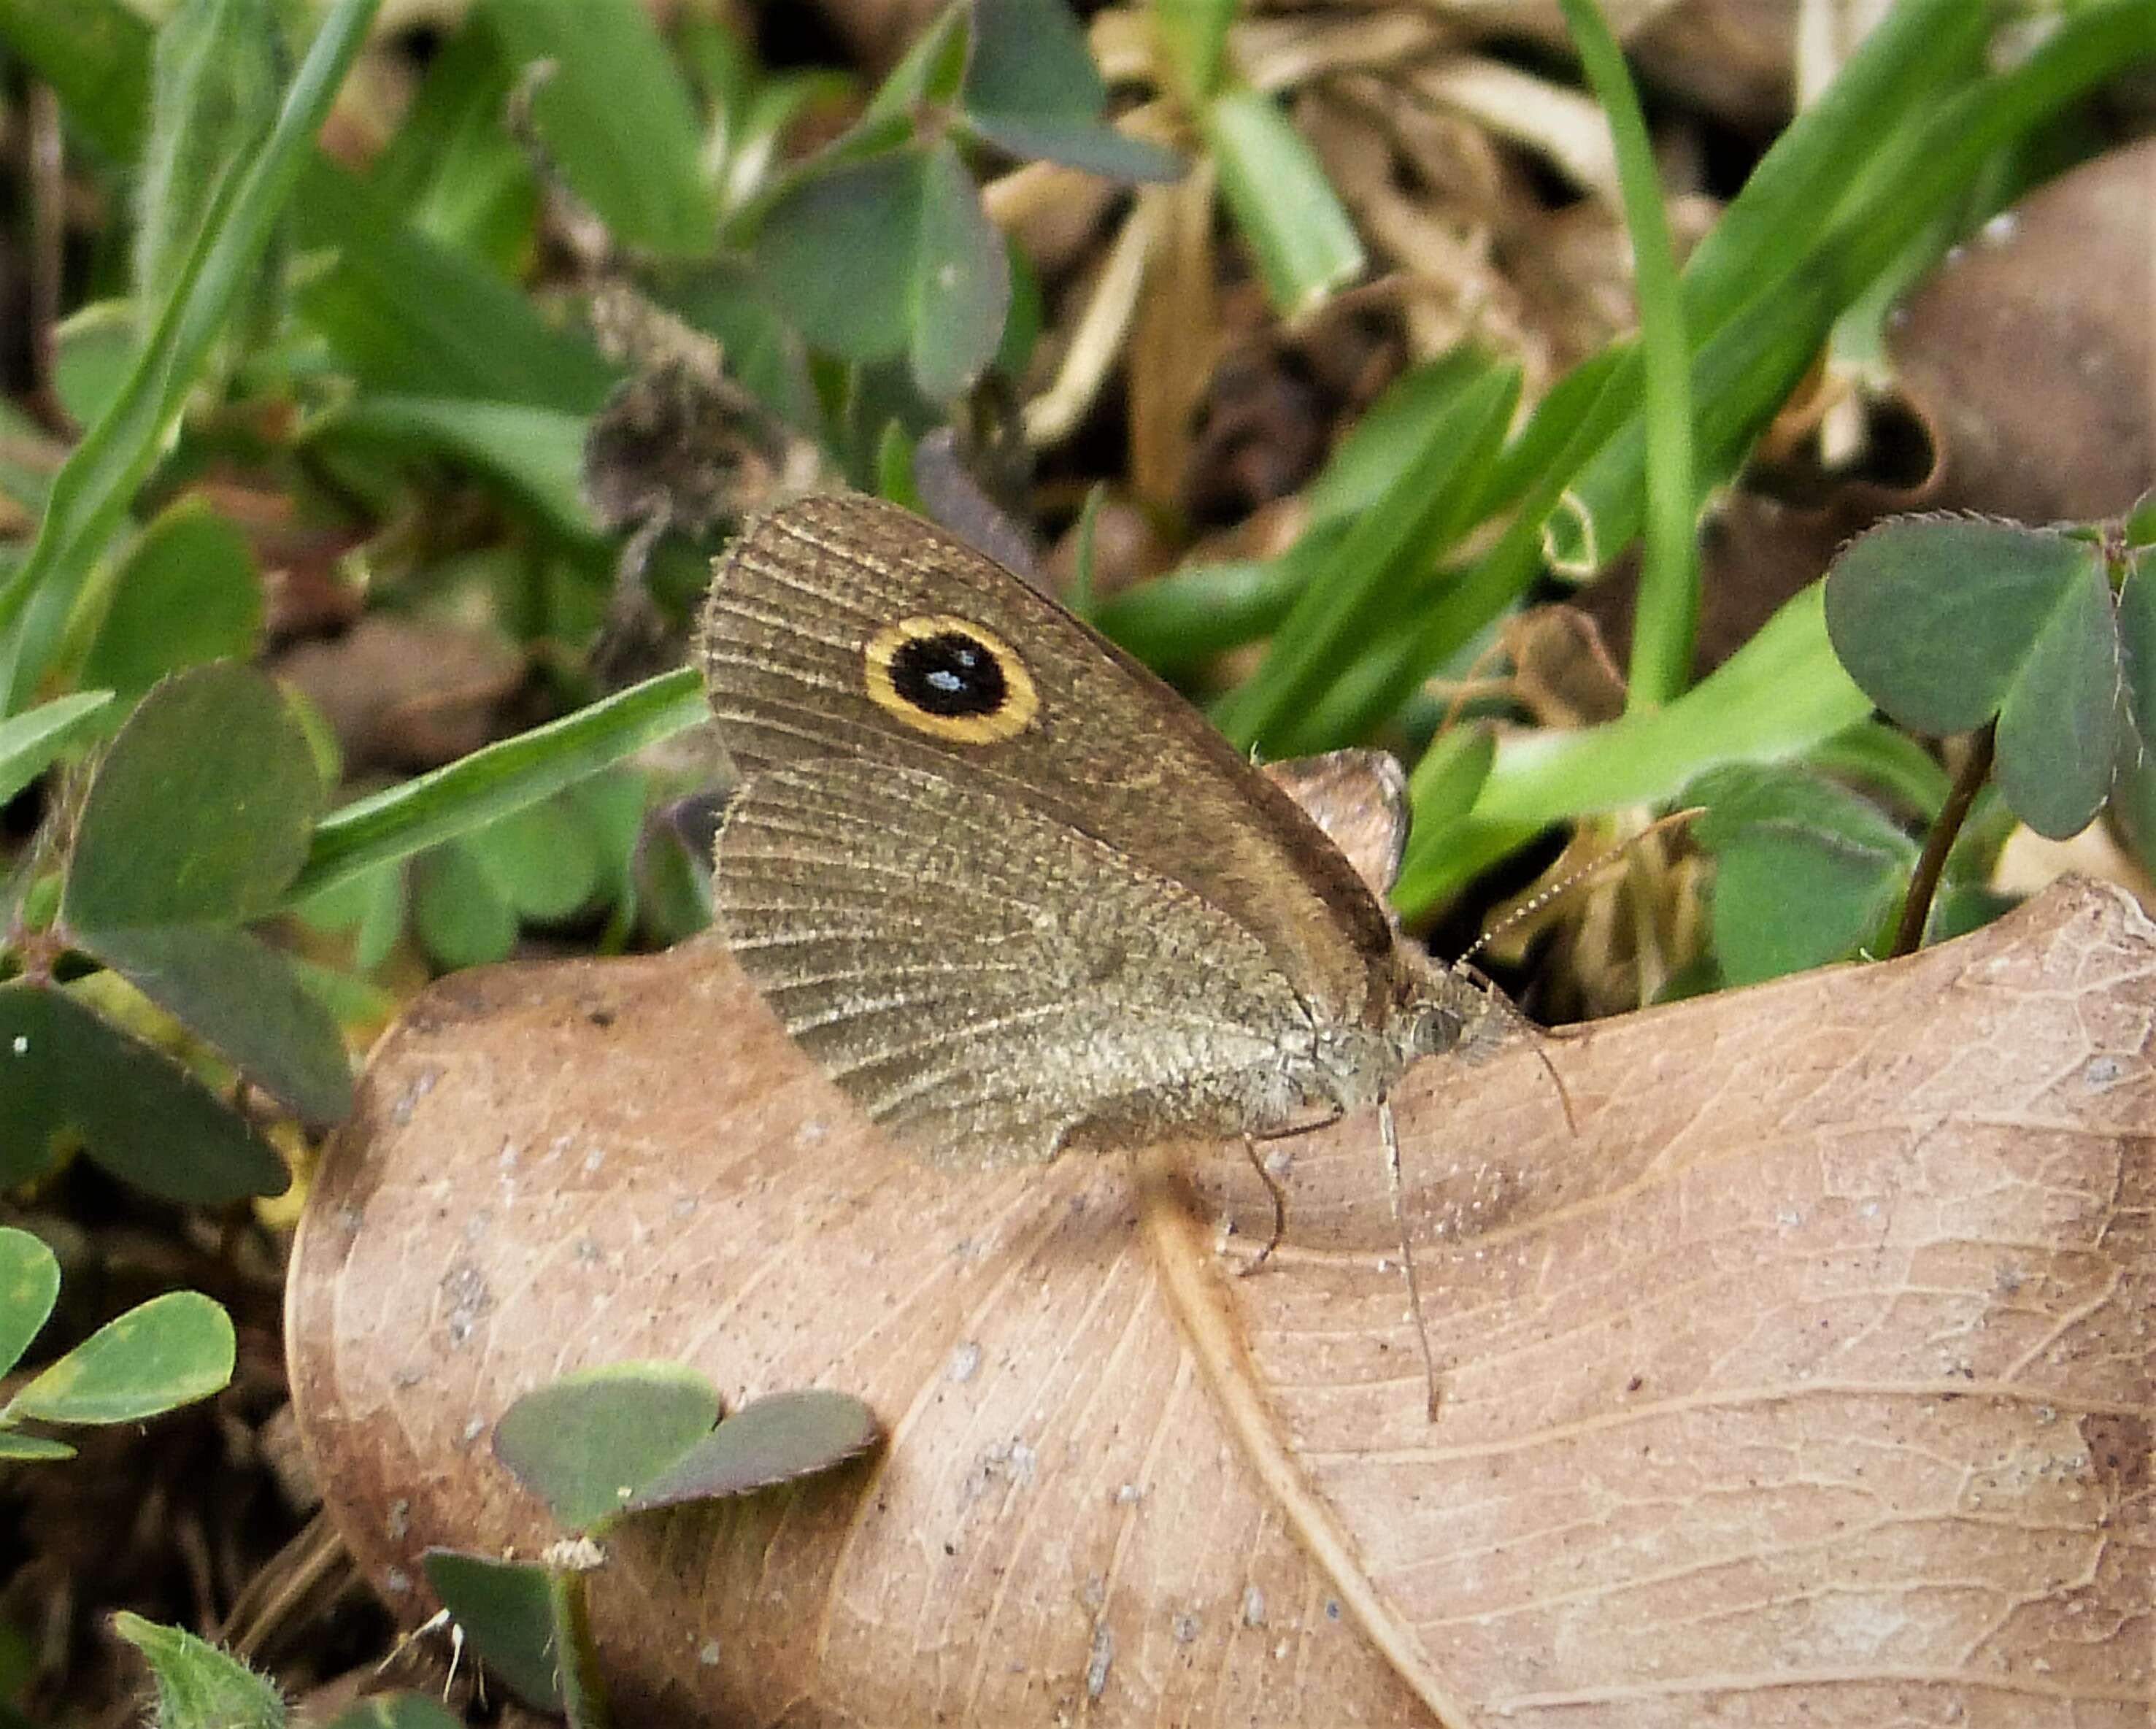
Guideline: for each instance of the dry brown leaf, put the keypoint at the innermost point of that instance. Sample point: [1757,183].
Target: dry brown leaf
[2030,352]
[406,692]
[1808,1384]
[1359,801]
[1175,343]
[1736,59]
[1562,671]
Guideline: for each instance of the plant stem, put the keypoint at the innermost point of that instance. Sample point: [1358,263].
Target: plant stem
[584,1693]
[1924,880]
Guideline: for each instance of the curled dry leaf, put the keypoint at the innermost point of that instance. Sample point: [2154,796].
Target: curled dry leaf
[1359,801]
[2030,352]
[1808,1384]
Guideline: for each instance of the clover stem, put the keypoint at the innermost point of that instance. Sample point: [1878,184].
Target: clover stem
[584,1693]
[1931,864]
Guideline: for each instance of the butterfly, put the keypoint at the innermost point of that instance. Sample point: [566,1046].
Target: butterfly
[1013,893]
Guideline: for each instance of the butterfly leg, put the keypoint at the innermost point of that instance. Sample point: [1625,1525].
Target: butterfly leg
[1272,1183]
[1390,1134]
[1279,1207]
[1539,1037]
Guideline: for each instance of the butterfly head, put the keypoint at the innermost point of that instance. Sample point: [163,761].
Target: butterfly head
[1437,1008]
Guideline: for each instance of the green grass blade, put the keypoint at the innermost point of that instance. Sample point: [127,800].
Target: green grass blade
[97,483]
[536,453]
[471,792]
[1389,547]
[29,741]
[1302,240]
[1781,694]
[410,314]
[1665,618]
[1803,181]
[1176,620]
[1748,363]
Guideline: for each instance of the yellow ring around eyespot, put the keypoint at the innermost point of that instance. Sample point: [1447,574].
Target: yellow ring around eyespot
[1021,698]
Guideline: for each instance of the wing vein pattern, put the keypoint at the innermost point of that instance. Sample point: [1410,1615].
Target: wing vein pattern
[1075,986]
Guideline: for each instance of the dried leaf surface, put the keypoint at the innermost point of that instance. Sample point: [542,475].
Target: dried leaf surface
[1808,1384]
[2030,352]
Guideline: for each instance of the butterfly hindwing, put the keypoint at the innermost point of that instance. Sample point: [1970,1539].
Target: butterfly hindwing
[981,980]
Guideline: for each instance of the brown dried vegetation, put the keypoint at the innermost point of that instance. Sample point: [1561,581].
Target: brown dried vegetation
[1807,1383]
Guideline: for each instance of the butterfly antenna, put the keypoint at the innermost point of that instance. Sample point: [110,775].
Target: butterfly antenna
[1557,1080]
[1389,1131]
[1572,879]
[1527,910]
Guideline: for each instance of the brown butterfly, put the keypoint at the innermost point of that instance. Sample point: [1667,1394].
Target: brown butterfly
[1008,888]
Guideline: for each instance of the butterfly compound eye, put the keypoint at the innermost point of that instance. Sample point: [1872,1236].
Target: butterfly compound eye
[950,678]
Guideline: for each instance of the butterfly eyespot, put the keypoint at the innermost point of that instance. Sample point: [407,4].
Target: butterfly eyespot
[950,678]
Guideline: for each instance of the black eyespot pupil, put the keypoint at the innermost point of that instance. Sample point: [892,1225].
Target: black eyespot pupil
[949,674]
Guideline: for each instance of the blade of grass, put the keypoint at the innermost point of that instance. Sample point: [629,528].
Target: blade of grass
[1748,364]
[537,454]
[1190,615]
[1665,615]
[1205,609]
[411,314]
[1303,243]
[1388,546]
[1357,704]
[29,742]
[1829,150]
[473,790]
[1742,374]
[96,484]
[1194,34]
[1936,159]
[1447,783]
[1780,695]
[1779,214]
[1454,856]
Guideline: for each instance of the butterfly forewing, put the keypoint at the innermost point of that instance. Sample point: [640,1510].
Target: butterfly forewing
[1110,753]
